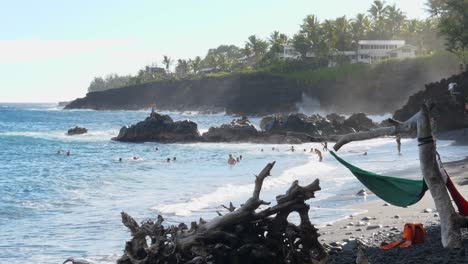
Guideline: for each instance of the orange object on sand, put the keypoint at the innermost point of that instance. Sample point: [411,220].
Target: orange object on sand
[413,234]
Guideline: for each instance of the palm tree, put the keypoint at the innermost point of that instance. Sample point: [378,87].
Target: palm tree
[378,12]
[342,32]
[195,64]
[311,27]
[395,19]
[182,68]
[167,62]
[246,51]
[277,41]
[301,44]
[329,36]
[258,46]
[359,28]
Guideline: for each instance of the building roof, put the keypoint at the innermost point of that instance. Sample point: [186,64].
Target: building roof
[405,46]
[382,42]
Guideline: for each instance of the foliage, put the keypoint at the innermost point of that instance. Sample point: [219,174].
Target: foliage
[111,81]
[321,38]
[453,23]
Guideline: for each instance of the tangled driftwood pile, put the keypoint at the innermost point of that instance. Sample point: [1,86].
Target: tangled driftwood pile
[243,235]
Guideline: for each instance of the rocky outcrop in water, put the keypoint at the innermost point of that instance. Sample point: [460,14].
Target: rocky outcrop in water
[283,129]
[316,125]
[231,133]
[77,131]
[359,122]
[160,128]
[449,112]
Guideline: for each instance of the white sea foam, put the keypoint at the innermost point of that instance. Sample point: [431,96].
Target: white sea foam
[103,135]
[305,174]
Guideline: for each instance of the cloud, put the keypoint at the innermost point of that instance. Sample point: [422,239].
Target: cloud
[32,50]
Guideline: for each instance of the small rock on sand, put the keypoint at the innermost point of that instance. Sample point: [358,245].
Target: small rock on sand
[385,204]
[329,224]
[361,193]
[436,215]
[396,217]
[374,227]
[366,218]
[428,210]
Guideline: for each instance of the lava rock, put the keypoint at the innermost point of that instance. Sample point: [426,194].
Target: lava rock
[77,131]
[160,128]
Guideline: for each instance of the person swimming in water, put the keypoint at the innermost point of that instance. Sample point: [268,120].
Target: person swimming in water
[237,159]
[135,158]
[174,159]
[231,160]
[168,160]
[68,153]
[240,157]
[292,149]
[120,159]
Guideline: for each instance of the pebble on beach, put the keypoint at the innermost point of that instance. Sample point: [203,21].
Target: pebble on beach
[361,193]
[428,210]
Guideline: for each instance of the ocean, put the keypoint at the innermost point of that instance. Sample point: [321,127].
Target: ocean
[54,206]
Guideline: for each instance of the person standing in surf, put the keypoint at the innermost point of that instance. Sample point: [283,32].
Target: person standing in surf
[398,141]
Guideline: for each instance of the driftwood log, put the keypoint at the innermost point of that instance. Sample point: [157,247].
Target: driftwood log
[450,220]
[243,235]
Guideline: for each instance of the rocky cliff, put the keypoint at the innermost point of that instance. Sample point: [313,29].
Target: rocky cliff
[374,89]
[449,112]
[246,94]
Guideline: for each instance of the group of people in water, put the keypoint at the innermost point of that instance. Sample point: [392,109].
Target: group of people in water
[60,152]
[233,161]
[315,151]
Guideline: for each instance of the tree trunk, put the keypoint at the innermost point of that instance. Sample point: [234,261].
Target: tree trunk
[450,221]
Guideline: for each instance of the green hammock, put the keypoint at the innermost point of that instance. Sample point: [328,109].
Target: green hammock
[396,191]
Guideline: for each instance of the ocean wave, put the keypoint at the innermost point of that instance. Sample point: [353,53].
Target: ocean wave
[272,186]
[103,135]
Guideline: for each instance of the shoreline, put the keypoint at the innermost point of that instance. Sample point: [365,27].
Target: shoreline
[382,222]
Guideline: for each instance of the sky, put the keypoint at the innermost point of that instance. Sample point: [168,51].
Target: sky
[51,50]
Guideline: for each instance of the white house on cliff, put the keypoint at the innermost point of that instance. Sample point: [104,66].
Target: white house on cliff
[369,51]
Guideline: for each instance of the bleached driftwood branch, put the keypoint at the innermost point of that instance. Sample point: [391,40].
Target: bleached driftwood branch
[240,236]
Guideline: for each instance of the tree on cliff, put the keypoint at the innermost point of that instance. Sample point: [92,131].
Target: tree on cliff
[195,64]
[453,22]
[111,81]
[167,61]
[258,46]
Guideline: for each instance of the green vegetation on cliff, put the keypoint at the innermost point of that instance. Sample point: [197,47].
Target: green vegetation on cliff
[323,38]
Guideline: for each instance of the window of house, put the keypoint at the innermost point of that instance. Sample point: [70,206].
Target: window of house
[406,50]
[393,55]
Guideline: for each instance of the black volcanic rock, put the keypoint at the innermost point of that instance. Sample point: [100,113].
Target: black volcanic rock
[231,133]
[316,126]
[77,131]
[160,128]
[360,122]
[449,112]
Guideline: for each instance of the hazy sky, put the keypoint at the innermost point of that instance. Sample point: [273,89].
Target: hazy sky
[51,50]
